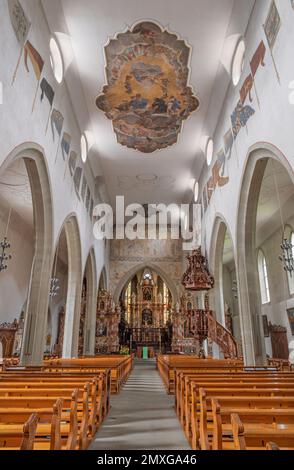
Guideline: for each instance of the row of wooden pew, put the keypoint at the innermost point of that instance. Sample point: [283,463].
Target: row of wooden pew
[58,408]
[120,367]
[167,365]
[222,409]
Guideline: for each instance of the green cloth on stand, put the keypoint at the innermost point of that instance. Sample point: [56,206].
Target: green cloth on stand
[145,352]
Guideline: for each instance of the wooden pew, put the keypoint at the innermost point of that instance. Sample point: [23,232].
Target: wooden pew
[50,380]
[187,385]
[167,365]
[86,412]
[191,396]
[256,438]
[204,411]
[19,438]
[67,420]
[48,434]
[222,429]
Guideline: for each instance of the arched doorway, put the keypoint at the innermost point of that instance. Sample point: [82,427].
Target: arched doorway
[265,206]
[28,200]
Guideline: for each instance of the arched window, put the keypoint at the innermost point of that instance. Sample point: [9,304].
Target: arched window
[263,278]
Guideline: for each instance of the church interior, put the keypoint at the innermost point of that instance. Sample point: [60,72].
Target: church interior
[111,338]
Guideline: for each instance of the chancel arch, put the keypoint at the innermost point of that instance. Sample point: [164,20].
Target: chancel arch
[28,163]
[266,199]
[152,266]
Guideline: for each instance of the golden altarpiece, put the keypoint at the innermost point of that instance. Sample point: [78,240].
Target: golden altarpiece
[107,324]
[148,306]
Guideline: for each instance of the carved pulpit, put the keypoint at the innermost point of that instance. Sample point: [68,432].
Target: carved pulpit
[197,279]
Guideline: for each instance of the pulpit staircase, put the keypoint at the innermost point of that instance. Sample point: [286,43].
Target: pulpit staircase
[203,326]
[222,337]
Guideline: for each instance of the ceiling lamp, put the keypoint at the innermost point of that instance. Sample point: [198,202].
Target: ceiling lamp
[233,57]
[56,60]
[196,191]
[207,147]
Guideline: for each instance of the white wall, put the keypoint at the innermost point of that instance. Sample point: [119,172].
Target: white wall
[14,282]
[271,123]
[280,297]
[18,124]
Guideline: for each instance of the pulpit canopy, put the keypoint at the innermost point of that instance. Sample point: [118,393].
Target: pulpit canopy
[197,277]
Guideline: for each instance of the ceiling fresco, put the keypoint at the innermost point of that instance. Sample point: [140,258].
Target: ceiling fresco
[147,96]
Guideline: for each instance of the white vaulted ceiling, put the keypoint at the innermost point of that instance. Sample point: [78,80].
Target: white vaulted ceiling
[167,175]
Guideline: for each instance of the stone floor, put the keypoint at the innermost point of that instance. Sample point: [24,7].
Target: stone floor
[142,416]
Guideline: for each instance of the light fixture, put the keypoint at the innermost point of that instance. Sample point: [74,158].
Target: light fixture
[196,191]
[287,257]
[4,257]
[56,60]
[233,56]
[207,147]
[54,287]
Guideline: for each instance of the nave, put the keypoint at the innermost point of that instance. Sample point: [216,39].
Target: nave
[146,225]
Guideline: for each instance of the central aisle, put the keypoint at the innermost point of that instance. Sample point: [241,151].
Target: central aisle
[142,416]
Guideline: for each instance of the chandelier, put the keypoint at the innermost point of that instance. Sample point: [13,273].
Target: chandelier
[54,287]
[54,283]
[4,256]
[287,257]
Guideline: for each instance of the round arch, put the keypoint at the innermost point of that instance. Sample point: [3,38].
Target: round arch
[38,295]
[246,261]
[123,281]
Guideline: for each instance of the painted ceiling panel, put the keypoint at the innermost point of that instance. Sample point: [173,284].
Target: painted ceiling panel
[203,25]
